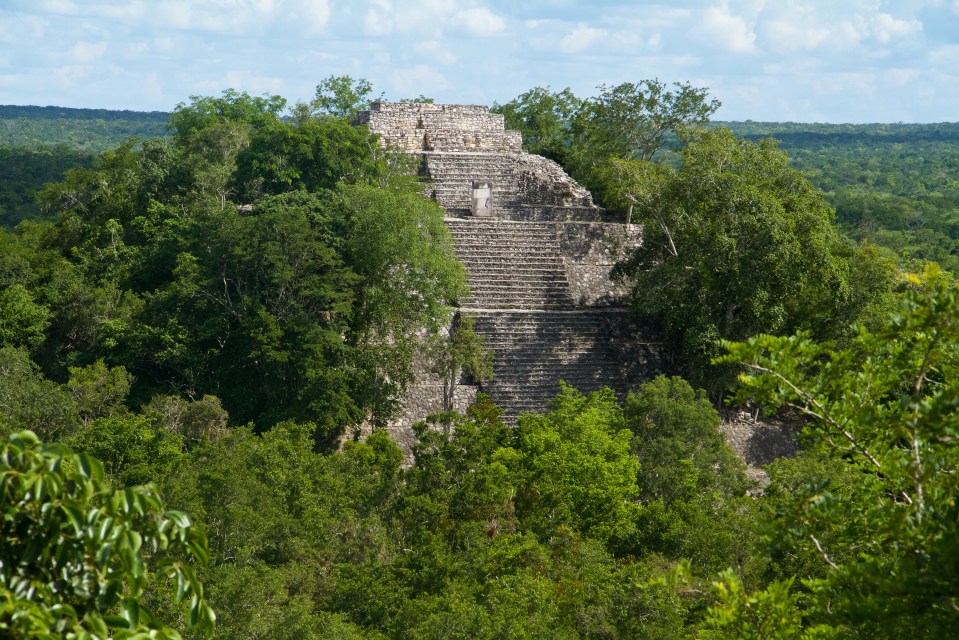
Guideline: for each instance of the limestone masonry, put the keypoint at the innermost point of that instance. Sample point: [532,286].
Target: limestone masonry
[538,254]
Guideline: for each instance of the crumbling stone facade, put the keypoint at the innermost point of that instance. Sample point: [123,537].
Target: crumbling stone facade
[538,254]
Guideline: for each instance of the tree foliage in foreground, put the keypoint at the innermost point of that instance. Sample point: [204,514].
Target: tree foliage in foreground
[886,407]
[78,557]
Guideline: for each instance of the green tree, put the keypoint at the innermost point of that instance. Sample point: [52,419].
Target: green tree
[631,120]
[737,242]
[77,556]
[461,354]
[575,467]
[688,477]
[98,390]
[341,97]
[681,451]
[22,320]
[232,106]
[546,119]
[132,450]
[29,401]
[399,245]
[313,155]
[885,405]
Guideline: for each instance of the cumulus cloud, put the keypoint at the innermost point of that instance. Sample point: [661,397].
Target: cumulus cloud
[797,26]
[379,18]
[885,27]
[16,28]
[312,15]
[946,55]
[901,77]
[480,22]
[71,74]
[580,38]
[432,18]
[62,7]
[793,26]
[793,44]
[730,32]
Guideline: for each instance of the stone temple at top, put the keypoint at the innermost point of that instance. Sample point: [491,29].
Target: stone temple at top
[537,252]
[465,143]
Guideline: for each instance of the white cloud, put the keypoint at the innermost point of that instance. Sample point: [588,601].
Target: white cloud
[580,38]
[379,18]
[72,73]
[164,44]
[479,22]
[63,7]
[726,30]
[241,80]
[793,26]
[153,88]
[429,19]
[312,15]
[884,27]
[947,55]
[87,52]
[17,28]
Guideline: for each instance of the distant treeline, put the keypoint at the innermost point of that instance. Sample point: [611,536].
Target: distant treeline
[90,130]
[39,144]
[896,185]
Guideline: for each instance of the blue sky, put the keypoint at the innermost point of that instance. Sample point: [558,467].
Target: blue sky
[784,60]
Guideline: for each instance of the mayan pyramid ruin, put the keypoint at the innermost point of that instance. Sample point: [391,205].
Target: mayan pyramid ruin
[538,254]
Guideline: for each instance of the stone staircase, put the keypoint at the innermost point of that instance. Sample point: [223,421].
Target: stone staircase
[511,265]
[452,175]
[534,350]
[520,299]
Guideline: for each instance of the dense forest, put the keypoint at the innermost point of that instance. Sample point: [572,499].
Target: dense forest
[194,324]
[894,185]
[90,130]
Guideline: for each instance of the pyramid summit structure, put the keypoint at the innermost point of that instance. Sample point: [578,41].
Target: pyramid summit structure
[538,254]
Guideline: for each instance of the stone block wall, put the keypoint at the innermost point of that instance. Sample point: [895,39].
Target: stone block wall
[589,251]
[440,127]
[518,180]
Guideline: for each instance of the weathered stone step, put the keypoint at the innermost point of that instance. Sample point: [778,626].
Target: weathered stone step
[481,269]
[465,228]
[508,302]
[510,254]
[509,235]
[512,279]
